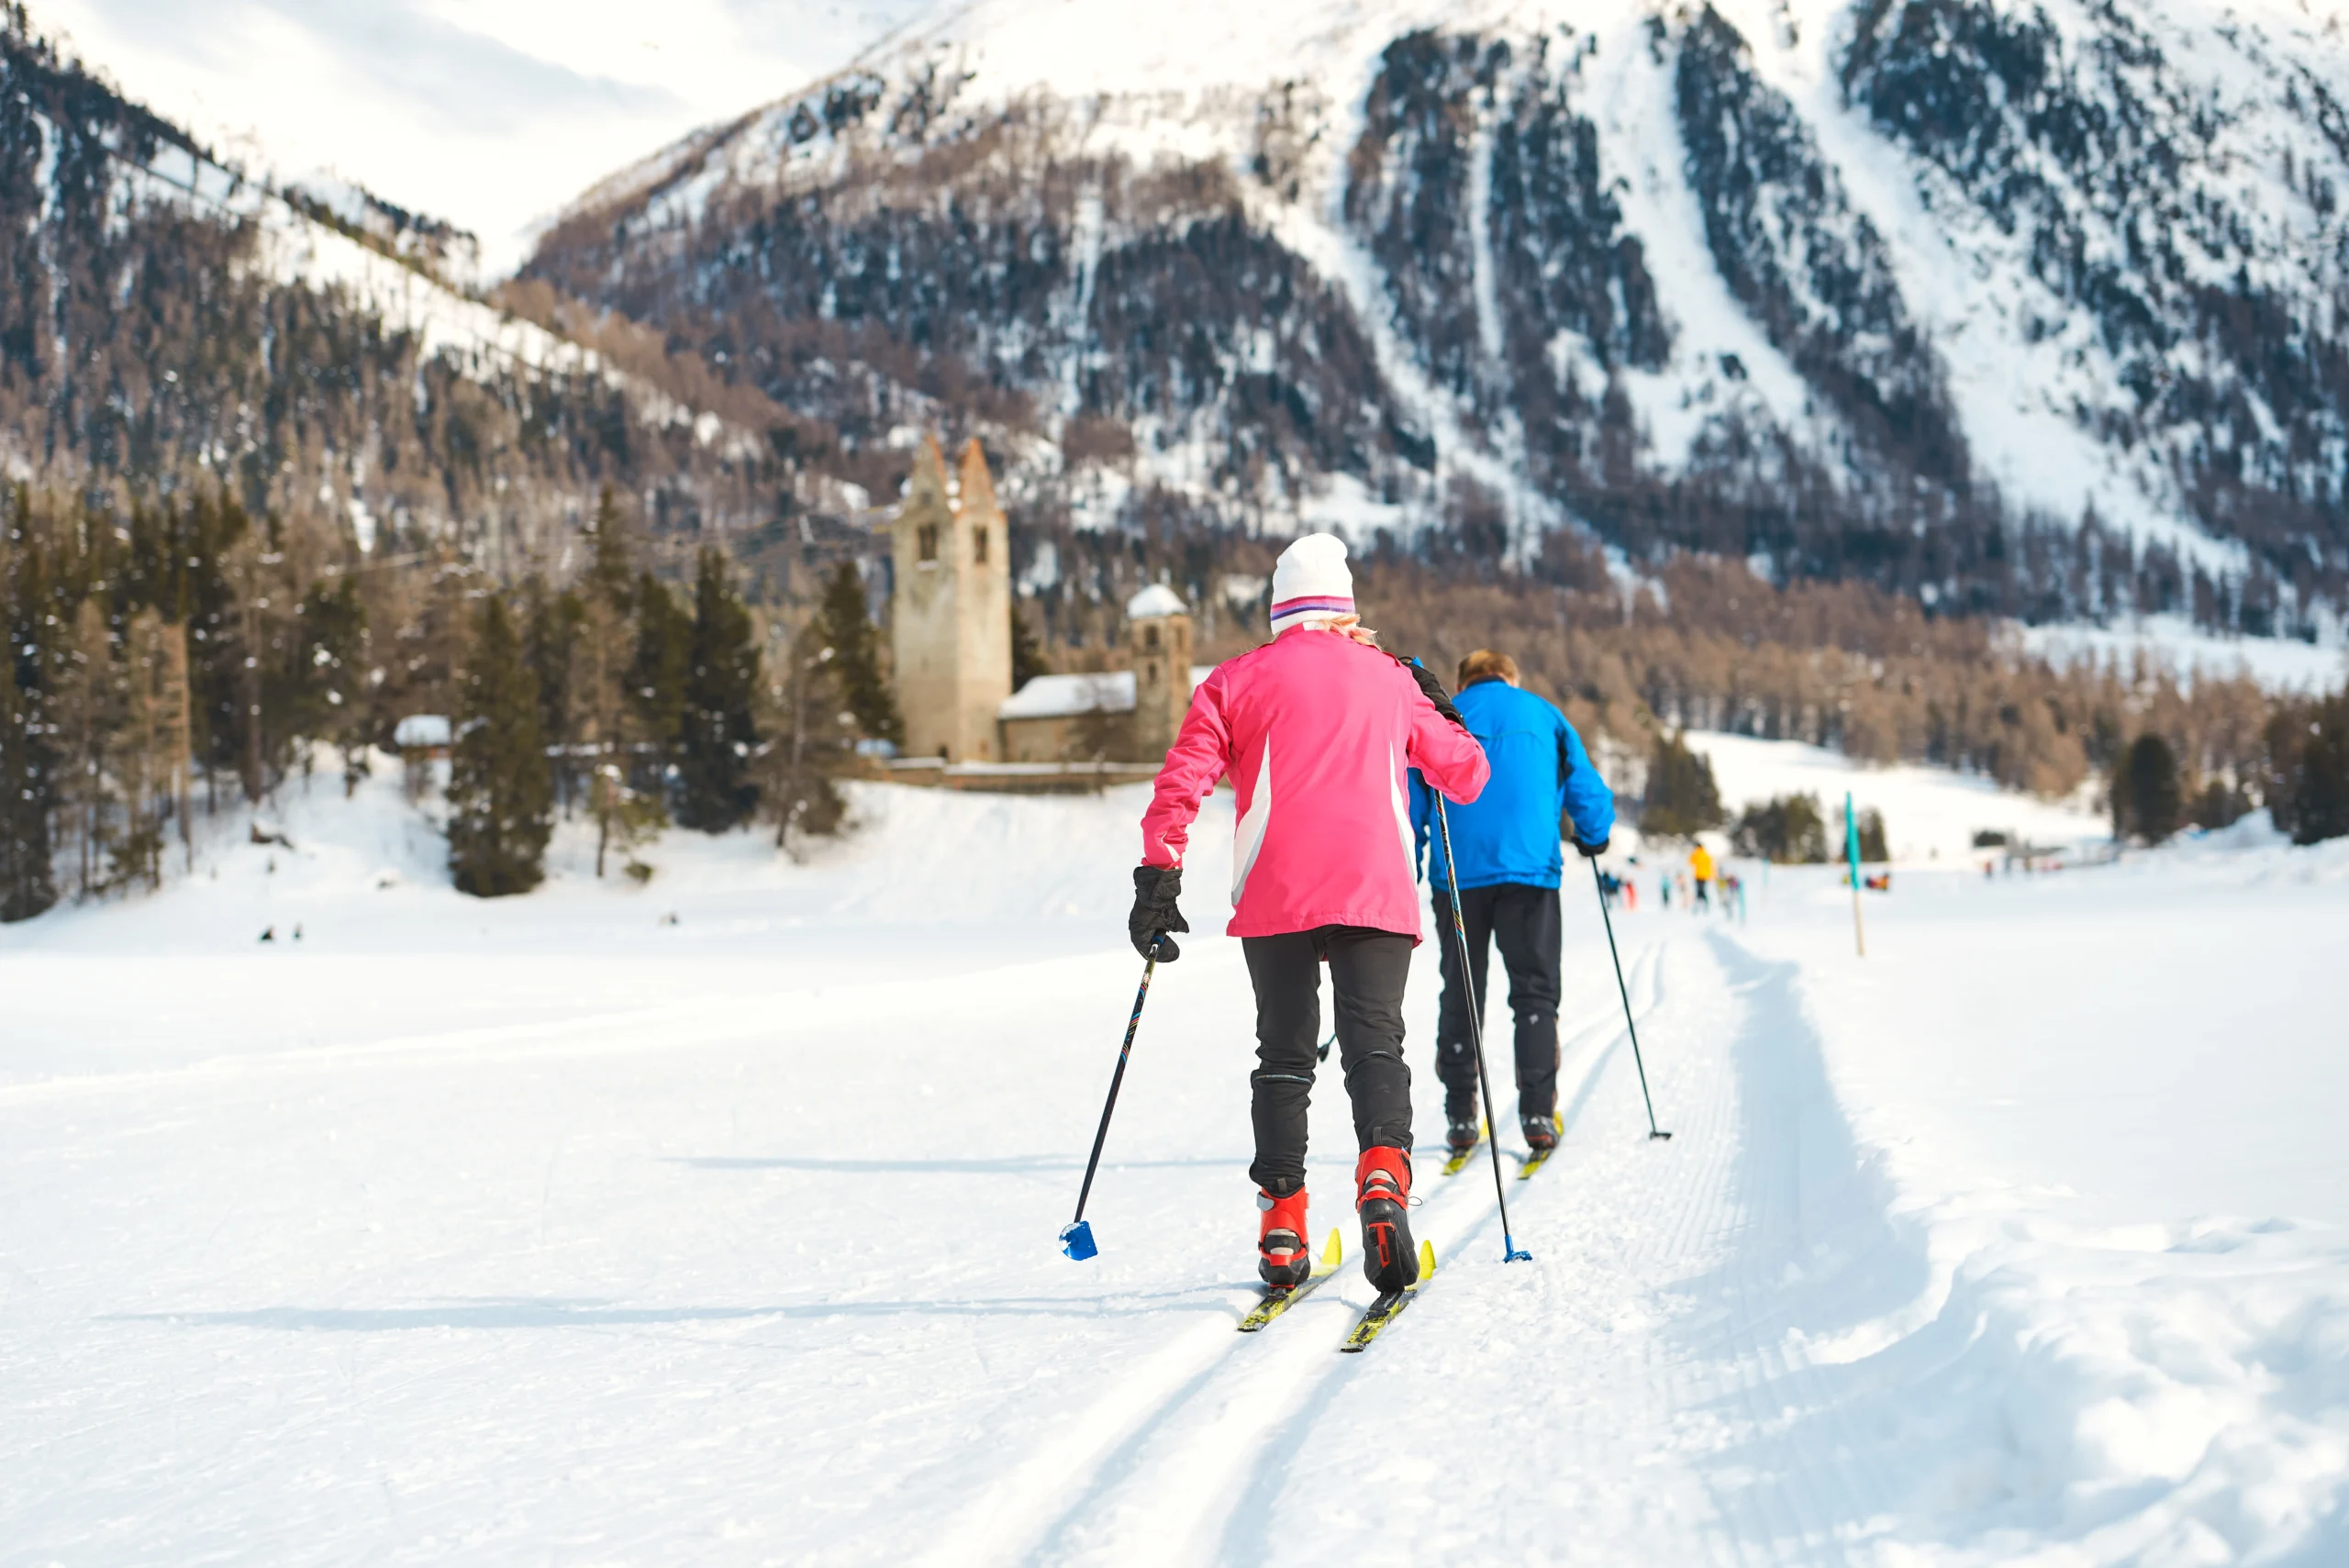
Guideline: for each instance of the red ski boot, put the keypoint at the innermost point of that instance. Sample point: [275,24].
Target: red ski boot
[1383,1195]
[1281,1254]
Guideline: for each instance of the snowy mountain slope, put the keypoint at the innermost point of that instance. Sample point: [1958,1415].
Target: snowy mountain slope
[543,1228]
[492,112]
[321,354]
[1903,289]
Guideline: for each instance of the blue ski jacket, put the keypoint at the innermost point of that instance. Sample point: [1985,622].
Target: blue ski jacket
[1541,772]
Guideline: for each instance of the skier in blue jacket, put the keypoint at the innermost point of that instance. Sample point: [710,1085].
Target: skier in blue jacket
[1508,857]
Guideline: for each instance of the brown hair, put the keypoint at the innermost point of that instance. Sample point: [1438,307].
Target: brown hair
[1486,665]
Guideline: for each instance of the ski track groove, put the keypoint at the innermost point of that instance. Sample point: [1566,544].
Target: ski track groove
[1836,1473]
[1194,1455]
[1242,1409]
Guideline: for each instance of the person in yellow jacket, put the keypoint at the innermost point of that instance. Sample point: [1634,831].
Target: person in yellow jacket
[1700,869]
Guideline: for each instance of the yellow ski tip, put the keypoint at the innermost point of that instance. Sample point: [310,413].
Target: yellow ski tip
[1426,1261]
[1335,1254]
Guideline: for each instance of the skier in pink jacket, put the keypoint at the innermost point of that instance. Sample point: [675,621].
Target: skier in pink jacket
[1317,730]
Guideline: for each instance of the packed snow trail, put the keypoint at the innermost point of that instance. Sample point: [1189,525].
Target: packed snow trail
[598,1247]
[552,1232]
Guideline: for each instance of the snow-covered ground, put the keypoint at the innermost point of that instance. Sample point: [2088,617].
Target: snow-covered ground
[1930,815]
[2172,643]
[550,1231]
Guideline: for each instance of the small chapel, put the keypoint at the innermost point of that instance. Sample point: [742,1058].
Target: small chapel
[951,639]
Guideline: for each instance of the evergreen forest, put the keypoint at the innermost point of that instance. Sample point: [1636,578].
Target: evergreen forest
[256,520]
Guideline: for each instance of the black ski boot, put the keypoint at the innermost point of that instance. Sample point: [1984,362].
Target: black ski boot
[1463,1133]
[1383,1195]
[1541,1133]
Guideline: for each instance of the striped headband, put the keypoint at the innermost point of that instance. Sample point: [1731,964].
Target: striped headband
[1312,604]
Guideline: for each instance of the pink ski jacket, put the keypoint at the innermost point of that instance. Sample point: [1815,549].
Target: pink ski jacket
[1316,730]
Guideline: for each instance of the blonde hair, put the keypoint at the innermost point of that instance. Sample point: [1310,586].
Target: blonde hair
[1486,665]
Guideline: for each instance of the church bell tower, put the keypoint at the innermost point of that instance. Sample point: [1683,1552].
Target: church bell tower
[951,616]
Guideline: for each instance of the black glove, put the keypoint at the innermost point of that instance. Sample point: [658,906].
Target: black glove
[1155,890]
[1592,852]
[1434,690]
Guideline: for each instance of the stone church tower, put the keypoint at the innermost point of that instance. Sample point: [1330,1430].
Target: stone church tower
[1158,629]
[951,616]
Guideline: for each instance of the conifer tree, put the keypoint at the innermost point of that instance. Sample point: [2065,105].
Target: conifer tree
[28,871]
[611,574]
[555,625]
[856,658]
[2320,808]
[1873,849]
[1027,654]
[204,534]
[28,874]
[718,728]
[1681,798]
[2148,801]
[1789,830]
[329,651]
[83,711]
[500,795]
[27,769]
[656,676]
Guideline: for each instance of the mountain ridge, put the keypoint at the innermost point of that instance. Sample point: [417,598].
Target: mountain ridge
[318,354]
[1857,321]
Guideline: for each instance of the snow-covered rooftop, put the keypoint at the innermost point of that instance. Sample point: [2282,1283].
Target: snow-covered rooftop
[1067,696]
[421,729]
[1155,601]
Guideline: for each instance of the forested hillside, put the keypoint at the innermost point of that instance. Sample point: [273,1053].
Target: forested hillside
[170,323]
[1602,342]
[1912,292]
[270,463]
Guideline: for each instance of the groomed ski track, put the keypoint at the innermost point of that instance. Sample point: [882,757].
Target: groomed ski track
[553,1231]
[661,1238]
[1633,1376]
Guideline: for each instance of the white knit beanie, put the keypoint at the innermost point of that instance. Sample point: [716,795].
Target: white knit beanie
[1310,582]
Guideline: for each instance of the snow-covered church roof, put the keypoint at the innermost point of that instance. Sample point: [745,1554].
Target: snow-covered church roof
[422,729]
[1068,697]
[1155,601]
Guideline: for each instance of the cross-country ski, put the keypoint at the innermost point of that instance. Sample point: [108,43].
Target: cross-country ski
[1279,1299]
[1473,1135]
[1389,1306]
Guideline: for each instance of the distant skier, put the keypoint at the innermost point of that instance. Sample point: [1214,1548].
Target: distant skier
[1700,871]
[1508,862]
[1315,730]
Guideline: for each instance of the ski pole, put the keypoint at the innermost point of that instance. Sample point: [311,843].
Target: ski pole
[1076,1236]
[1625,991]
[1510,1253]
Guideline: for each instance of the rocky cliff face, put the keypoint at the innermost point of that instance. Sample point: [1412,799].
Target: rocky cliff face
[2028,307]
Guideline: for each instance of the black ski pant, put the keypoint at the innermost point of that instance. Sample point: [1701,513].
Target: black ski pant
[1524,921]
[1367,969]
